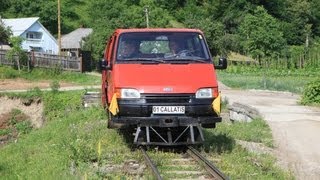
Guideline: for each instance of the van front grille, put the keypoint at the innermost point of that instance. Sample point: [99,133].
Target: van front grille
[168,98]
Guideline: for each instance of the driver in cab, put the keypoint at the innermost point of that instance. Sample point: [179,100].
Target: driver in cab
[129,49]
[177,49]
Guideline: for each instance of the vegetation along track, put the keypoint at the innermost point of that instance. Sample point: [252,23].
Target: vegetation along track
[185,167]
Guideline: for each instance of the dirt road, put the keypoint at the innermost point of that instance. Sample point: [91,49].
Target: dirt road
[21,85]
[295,128]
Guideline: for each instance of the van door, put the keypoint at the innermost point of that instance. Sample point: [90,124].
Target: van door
[111,60]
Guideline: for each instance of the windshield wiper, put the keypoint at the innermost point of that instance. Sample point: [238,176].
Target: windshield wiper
[198,60]
[145,59]
[186,59]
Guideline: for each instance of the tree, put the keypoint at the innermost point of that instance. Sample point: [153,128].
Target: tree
[315,19]
[16,54]
[46,10]
[4,5]
[5,33]
[261,34]
[110,15]
[297,20]
[201,19]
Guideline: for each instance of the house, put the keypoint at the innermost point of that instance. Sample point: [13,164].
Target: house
[72,43]
[36,36]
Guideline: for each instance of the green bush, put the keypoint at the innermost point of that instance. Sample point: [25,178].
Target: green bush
[54,85]
[8,73]
[24,127]
[311,93]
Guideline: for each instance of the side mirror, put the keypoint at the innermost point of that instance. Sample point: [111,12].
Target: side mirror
[222,63]
[104,65]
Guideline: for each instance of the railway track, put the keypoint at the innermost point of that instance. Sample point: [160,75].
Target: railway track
[211,171]
[210,167]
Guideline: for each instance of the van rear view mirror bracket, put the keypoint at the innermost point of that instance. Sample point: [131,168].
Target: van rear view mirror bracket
[104,65]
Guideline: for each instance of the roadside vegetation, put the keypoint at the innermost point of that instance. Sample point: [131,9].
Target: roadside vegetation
[252,77]
[311,93]
[13,124]
[54,74]
[301,81]
[75,143]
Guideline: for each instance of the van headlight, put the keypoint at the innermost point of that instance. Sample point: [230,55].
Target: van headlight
[129,93]
[204,93]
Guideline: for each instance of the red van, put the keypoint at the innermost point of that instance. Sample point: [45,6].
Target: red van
[161,83]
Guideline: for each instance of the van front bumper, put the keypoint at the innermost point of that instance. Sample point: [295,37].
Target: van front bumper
[139,112]
[167,121]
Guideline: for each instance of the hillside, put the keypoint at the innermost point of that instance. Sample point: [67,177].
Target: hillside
[258,28]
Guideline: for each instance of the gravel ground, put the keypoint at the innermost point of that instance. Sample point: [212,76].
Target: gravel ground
[295,128]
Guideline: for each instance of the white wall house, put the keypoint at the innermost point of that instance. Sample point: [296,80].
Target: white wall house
[36,36]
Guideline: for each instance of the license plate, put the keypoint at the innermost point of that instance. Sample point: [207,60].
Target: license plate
[168,109]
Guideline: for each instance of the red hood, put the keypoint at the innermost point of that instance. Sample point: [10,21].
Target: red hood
[164,78]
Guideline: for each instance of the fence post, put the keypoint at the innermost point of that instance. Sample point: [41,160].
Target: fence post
[81,65]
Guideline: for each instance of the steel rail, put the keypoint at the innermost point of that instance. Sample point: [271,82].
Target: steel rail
[213,170]
[150,164]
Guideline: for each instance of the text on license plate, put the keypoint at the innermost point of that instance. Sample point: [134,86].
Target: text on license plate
[168,109]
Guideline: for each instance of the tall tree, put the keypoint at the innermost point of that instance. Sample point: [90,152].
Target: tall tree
[261,34]
[46,10]
[110,15]
[297,18]
[5,33]
[4,5]
[16,53]
[315,17]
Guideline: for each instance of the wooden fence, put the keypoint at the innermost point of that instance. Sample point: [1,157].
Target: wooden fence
[47,61]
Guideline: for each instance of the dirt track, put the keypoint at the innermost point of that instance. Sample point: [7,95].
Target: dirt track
[295,128]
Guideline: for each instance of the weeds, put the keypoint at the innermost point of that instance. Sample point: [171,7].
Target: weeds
[246,77]
[254,131]
[37,74]
[24,127]
[16,122]
[75,143]
[311,93]
[54,85]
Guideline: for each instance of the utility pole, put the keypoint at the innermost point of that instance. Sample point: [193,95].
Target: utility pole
[147,16]
[59,29]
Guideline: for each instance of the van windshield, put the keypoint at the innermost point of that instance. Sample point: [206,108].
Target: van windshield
[162,47]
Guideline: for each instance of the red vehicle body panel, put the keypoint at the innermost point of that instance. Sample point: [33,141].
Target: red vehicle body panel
[155,78]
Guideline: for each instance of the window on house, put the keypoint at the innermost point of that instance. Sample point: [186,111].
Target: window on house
[34,35]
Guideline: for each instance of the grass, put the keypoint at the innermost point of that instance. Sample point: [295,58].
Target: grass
[7,72]
[15,123]
[237,162]
[75,143]
[244,77]
[256,131]
[70,136]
